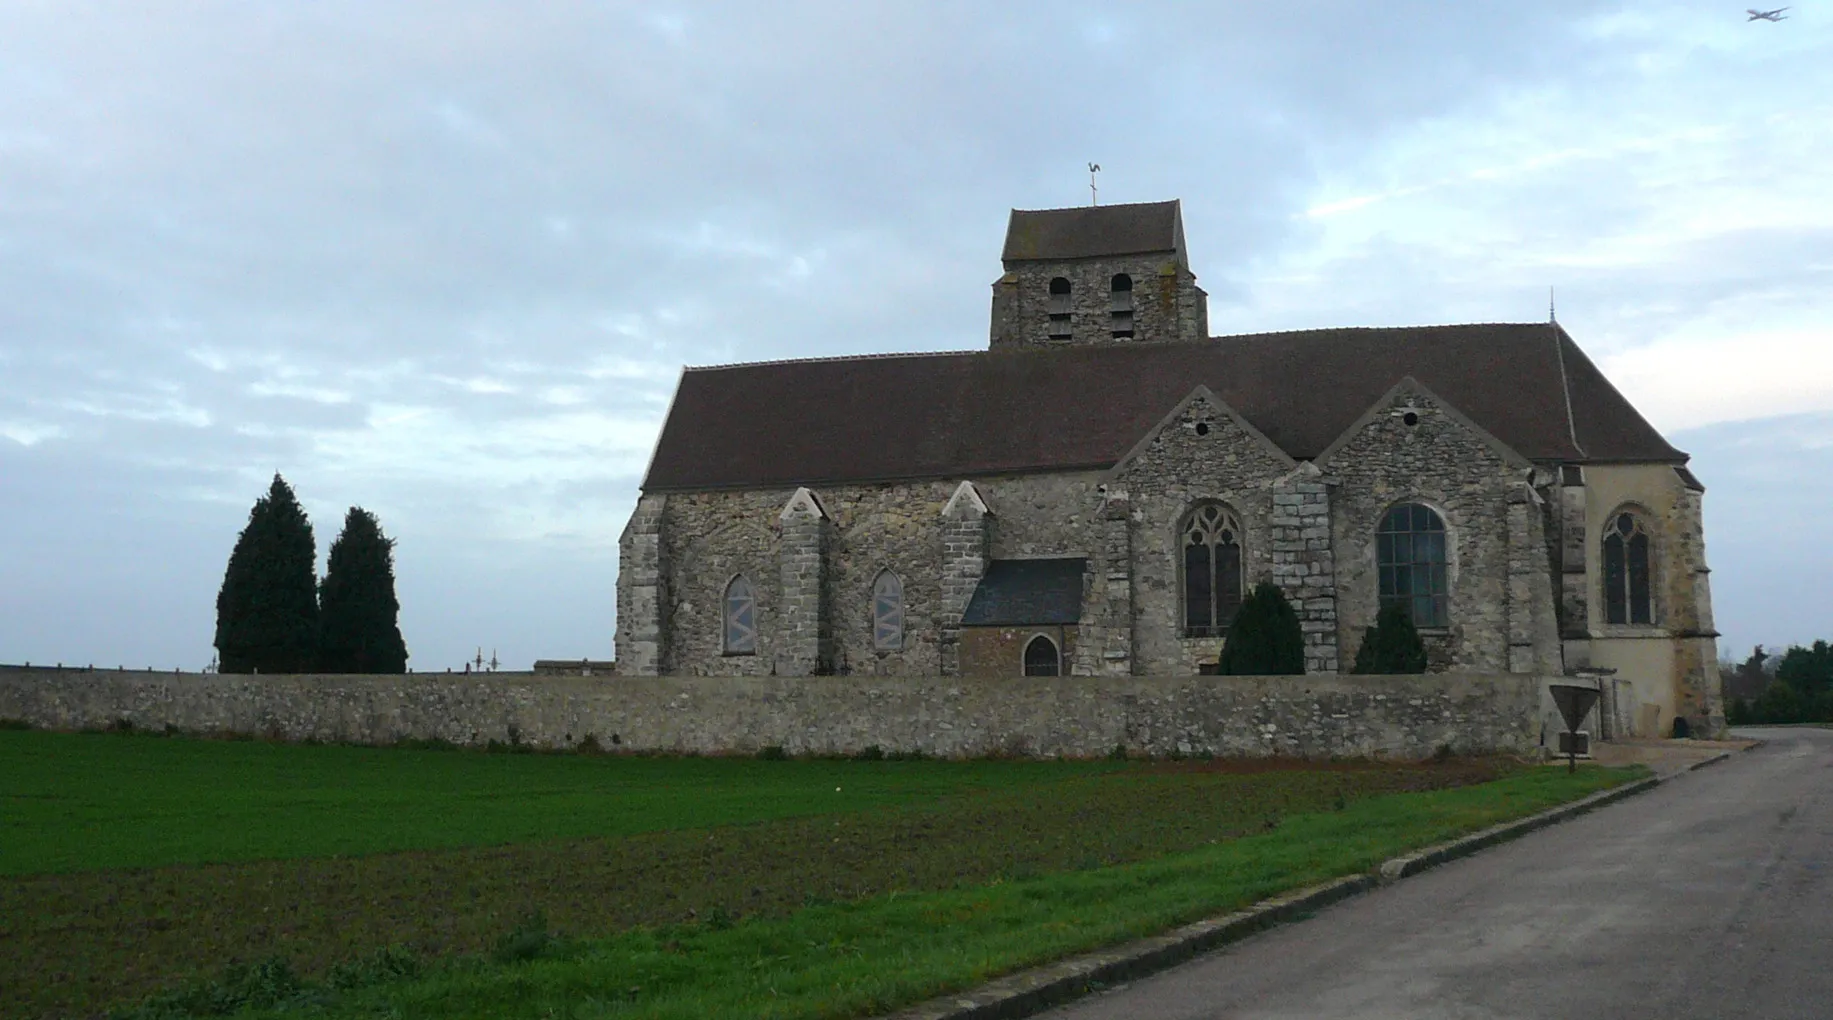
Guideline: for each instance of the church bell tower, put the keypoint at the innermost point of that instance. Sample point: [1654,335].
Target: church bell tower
[1099,274]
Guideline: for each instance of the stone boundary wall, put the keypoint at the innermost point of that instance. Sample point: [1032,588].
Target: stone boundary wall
[1313,716]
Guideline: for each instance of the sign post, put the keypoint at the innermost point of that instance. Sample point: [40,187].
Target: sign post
[1574,704]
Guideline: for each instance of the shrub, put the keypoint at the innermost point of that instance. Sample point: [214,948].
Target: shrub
[1264,639]
[1738,714]
[1392,645]
[872,753]
[1809,672]
[773,752]
[1779,704]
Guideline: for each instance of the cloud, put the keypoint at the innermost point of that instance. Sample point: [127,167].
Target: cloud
[447,261]
[1697,378]
[1769,483]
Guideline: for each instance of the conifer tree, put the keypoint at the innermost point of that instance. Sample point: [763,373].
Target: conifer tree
[1392,645]
[1264,639]
[267,609]
[358,629]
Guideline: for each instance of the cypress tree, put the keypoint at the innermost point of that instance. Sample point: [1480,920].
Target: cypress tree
[1264,639]
[1392,645]
[358,632]
[267,609]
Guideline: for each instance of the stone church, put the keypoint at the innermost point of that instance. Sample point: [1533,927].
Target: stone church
[1093,493]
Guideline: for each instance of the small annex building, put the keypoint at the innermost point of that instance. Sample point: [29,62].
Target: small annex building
[1093,493]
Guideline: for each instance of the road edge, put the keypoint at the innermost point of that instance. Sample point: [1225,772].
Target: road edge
[1034,990]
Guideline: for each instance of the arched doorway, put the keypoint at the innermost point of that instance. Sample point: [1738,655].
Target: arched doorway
[1041,658]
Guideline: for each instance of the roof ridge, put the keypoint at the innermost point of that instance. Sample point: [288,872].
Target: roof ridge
[1111,205]
[889,355]
[832,357]
[1368,329]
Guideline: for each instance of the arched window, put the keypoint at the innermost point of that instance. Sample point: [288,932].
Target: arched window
[1059,309]
[887,612]
[740,617]
[1626,588]
[1410,555]
[1120,307]
[1212,570]
[1041,658]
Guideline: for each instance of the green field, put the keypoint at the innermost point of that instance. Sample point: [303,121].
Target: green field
[536,885]
[78,801]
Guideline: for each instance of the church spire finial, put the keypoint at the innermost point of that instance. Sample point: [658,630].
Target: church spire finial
[1094,198]
[1552,316]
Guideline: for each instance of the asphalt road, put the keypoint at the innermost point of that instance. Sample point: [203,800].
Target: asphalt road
[1710,896]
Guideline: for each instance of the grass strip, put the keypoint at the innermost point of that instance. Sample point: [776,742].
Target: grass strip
[877,955]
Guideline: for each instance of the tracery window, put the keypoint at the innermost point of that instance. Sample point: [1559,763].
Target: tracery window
[1626,587]
[1059,308]
[1120,307]
[888,612]
[1212,570]
[740,617]
[1410,558]
[1041,657]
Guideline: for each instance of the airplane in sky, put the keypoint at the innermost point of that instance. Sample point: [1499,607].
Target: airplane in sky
[1775,15]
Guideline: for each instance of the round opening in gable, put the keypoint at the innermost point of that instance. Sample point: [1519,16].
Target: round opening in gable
[1411,418]
[1202,428]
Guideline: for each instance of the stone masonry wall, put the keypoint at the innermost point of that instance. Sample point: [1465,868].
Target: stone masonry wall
[1444,463]
[1167,303]
[1304,563]
[709,537]
[642,597]
[1200,455]
[805,646]
[1105,645]
[1395,716]
[1683,682]
[1701,696]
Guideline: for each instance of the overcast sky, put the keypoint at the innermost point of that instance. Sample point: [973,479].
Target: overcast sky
[445,260]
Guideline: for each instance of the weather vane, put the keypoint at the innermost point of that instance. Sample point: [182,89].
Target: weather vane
[1094,197]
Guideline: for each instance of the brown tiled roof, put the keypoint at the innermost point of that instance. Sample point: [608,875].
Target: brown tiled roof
[995,412]
[1092,230]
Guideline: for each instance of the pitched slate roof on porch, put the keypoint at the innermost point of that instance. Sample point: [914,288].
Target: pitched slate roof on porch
[1027,593]
[883,418]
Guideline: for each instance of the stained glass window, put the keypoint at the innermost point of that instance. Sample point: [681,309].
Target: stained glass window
[1410,558]
[741,618]
[888,612]
[1212,571]
[1626,586]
